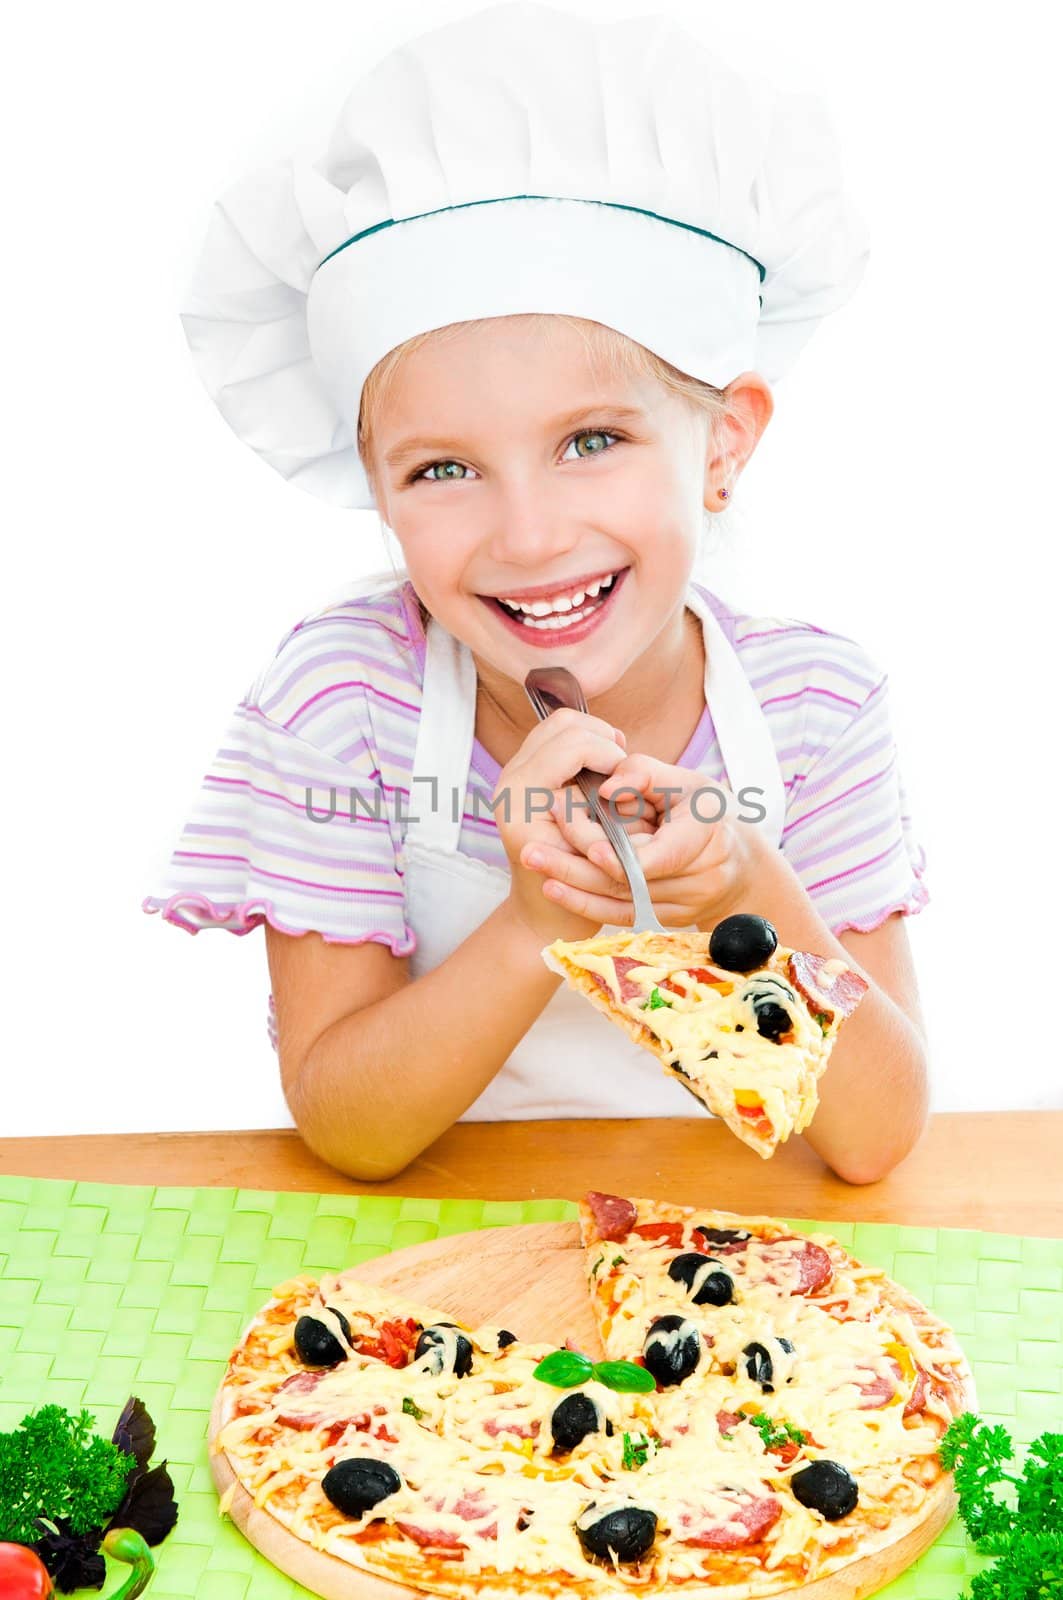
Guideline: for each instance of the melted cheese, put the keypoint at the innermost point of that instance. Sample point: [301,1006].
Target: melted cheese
[747,1068]
[477,1461]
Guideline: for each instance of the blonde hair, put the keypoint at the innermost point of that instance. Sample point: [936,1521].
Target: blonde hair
[610,352]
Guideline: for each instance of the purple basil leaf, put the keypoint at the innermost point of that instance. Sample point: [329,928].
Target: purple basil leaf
[135,1432]
[149,1505]
[73,1560]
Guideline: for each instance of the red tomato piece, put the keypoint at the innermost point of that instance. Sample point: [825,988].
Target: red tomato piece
[669,1233]
[23,1575]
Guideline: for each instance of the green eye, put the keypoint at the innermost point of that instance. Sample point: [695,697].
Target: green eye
[459,472]
[592,434]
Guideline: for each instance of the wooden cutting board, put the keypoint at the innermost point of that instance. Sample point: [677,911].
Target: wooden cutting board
[530,1279]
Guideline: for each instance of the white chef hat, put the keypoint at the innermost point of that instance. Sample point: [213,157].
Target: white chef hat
[520,159]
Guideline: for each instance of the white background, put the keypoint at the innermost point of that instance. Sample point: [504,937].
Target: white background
[906,494]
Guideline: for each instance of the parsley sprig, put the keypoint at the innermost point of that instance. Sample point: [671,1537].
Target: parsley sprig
[1024,1531]
[773,1436]
[55,1466]
[65,1490]
[636,1451]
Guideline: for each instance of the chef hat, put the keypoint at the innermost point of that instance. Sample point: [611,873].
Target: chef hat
[520,159]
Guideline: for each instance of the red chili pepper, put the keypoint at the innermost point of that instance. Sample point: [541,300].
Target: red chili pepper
[23,1575]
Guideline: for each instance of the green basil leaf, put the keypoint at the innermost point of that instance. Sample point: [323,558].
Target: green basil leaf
[564,1369]
[624,1376]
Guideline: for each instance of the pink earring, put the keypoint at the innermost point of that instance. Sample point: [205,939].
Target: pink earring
[724,493]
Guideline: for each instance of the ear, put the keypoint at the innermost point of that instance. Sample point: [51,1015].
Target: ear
[733,440]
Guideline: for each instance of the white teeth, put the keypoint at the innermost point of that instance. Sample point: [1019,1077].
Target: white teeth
[561,604]
[554,624]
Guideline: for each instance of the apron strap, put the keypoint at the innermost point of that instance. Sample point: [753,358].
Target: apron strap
[444,741]
[742,730]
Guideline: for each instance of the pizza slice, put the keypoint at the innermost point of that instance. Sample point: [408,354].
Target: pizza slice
[745,1023]
[411,1446]
[747,1325]
[648,1259]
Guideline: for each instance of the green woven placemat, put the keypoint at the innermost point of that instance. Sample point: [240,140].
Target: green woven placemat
[109,1290]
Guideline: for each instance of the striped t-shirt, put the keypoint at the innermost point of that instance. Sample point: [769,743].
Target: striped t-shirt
[336,709]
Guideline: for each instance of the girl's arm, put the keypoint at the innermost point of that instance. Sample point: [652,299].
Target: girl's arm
[375,1065]
[873,1097]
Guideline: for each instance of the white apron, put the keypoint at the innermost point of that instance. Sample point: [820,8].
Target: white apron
[572,1062]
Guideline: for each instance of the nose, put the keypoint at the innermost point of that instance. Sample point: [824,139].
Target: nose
[529,526]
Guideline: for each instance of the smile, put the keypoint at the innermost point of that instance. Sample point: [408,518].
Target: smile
[574,613]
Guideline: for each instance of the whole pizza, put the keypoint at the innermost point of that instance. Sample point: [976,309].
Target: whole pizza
[763,1416]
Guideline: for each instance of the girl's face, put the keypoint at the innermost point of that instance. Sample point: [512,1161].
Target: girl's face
[508,470]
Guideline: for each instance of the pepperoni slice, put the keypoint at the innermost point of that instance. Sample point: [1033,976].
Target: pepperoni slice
[523,1430]
[623,965]
[880,1388]
[727,1421]
[756,1517]
[804,1269]
[301,1423]
[834,994]
[442,1539]
[472,1506]
[613,1216]
[668,1233]
[917,1403]
[300,1383]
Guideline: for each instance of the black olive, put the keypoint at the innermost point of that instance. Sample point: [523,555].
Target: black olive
[624,1534]
[826,1487]
[573,1418]
[505,1338]
[316,1345]
[786,1345]
[722,1235]
[454,1352]
[703,1278]
[772,1020]
[672,1349]
[359,1483]
[759,1366]
[742,942]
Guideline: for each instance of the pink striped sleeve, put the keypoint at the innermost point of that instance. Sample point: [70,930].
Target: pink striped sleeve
[848,833]
[285,833]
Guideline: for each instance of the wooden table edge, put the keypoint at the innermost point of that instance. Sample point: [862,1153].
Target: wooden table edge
[994,1171]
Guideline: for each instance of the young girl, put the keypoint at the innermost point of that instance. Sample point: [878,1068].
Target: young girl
[528,308]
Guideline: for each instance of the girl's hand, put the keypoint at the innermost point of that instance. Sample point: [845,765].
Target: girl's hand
[698,870]
[528,785]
